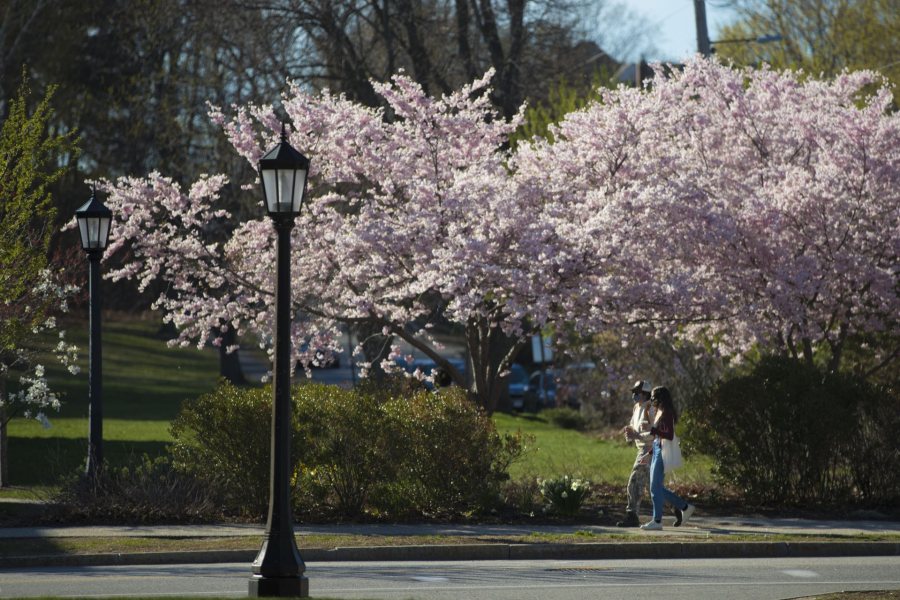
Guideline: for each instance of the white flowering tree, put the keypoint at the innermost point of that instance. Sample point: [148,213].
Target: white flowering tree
[744,207]
[760,207]
[24,388]
[414,219]
[30,292]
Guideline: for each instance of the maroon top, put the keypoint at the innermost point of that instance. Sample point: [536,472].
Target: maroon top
[664,427]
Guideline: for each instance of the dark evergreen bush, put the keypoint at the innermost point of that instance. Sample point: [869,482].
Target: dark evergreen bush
[565,417]
[874,455]
[150,491]
[788,433]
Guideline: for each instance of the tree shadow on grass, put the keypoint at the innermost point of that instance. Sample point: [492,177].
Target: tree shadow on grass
[45,461]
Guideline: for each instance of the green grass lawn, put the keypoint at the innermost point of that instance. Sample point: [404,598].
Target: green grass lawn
[143,379]
[145,383]
[556,452]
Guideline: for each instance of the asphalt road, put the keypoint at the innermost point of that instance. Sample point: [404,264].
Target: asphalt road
[739,579]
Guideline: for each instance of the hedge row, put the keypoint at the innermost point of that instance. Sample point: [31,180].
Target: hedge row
[356,452]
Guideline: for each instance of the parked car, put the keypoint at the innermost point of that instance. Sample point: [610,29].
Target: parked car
[427,365]
[323,359]
[573,382]
[541,390]
[558,386]
[517,381]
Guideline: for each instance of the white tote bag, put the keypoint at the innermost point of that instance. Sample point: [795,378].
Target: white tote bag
[671,454]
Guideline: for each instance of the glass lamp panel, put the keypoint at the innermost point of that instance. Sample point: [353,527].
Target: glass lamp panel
[83,230]
[299,183]
[94,232]
[103,238]
[285,190]
[90,229]
[270,187]
[289,200]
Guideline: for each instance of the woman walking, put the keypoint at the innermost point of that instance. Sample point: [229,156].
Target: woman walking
[663,428]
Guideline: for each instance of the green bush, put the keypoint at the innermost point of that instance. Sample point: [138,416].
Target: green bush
[788,433]
[223,438]
[151,491]
[348,450]
[565,417]
[565,494]
[355,451]
[449,454]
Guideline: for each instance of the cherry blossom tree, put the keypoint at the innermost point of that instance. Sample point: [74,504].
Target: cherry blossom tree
[414,219]
[736,207]
[754,206]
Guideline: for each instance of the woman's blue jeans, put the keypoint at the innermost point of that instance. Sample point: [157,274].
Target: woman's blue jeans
[658,493]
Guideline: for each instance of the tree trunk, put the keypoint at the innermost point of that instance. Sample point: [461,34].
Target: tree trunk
[229,362]
[511,74]
[375,345]
[4,451]
[507,92]
[341,56]
[837,348]
[4,440]
[808,355]
[490,353]
[423,70]
[464,49]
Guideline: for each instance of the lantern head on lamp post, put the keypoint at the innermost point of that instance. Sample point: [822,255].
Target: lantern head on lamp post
[278,568]
[93,224]
[283,173]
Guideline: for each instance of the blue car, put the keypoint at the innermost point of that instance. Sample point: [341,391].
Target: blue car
[517,380]
[541,391]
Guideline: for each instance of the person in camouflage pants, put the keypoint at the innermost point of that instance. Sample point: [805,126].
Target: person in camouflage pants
[639,479]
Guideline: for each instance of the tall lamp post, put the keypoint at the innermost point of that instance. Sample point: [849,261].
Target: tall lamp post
[93,225]
[704,46]
[278,568]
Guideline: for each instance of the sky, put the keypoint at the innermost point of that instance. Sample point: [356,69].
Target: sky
[676,25]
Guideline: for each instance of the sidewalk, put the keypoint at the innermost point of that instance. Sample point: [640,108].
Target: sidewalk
[702,537]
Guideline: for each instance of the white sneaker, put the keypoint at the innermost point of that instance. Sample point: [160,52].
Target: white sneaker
[686,513]
[652,526]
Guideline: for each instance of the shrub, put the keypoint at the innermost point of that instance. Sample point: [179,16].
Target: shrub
[565,494]
[348,449]
[874,456]
[450,456]
[523,495]
[223,439]
[354,451]
[786,432]
[565,417]
[150,491]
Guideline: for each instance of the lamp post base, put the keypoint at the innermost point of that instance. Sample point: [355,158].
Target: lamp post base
[278,587]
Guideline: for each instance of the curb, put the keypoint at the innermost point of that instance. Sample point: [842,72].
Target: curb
[459,552]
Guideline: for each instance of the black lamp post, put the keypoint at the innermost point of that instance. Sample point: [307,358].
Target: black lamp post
[278,568]
[93,225]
